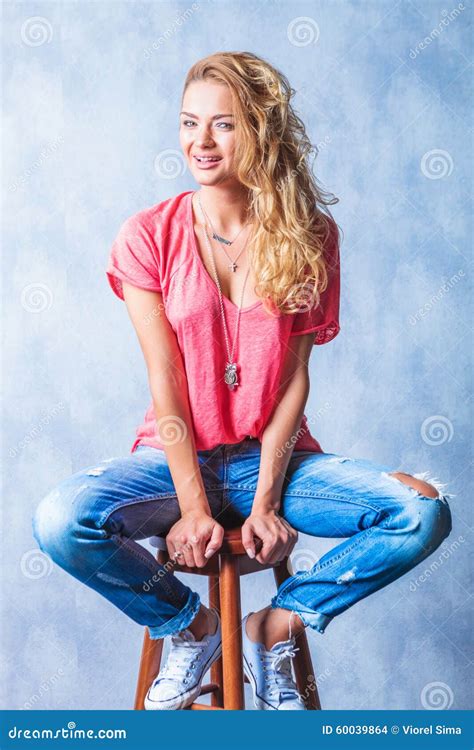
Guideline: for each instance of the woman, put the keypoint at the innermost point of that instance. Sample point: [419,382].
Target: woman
[228,288]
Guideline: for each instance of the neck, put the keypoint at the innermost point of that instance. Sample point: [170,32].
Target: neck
[226,206]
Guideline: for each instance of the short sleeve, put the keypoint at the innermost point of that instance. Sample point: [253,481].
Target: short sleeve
[323,318]
[133,258]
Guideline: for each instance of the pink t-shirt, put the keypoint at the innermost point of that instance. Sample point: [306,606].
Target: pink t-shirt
[156,249]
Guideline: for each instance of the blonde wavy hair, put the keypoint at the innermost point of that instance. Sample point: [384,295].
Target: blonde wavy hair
[291,232]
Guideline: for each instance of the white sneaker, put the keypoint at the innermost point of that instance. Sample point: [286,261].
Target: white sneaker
[178,683]
[270,673]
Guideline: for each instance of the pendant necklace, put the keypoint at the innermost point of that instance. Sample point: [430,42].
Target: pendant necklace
[230,374]
[232,265]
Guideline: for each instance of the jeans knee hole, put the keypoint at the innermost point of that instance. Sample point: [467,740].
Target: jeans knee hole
[422,476]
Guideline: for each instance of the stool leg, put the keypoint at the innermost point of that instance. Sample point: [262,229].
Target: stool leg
[304,672]
[216,668]
[149,667]
[150,660]
[229,580]
[305,677]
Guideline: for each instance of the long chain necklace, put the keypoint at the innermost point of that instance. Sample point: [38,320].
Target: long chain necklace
[232,265]
[230,374]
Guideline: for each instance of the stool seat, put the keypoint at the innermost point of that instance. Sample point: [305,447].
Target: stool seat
[224,571]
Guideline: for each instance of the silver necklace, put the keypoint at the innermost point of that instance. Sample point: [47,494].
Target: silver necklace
[230,374]
[232,265]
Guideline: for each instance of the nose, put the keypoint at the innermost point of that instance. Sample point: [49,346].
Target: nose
[203,137]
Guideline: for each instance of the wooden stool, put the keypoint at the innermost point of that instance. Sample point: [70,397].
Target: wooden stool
[227,676]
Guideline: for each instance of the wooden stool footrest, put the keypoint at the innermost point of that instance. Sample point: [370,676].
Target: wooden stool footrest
[211,687]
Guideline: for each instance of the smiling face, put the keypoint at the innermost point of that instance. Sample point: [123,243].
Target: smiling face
[207,132]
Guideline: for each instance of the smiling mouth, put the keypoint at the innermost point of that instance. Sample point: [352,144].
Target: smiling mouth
[207,159]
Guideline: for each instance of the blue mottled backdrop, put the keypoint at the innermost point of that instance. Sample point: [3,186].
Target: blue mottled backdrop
[91,94]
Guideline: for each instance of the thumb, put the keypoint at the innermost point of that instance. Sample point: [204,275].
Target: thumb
[247,540]
[215,541]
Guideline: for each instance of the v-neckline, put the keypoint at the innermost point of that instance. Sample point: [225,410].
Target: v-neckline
[201,262]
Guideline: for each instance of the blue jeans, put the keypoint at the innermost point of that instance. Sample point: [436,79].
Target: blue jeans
[90,523]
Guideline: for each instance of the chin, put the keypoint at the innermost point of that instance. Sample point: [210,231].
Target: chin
[204,179]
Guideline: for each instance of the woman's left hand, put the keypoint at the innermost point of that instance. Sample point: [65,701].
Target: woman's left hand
[277,536]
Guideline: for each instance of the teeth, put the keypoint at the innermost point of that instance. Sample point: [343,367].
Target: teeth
[207,158]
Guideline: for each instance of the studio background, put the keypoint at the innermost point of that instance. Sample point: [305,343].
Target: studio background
[91,97]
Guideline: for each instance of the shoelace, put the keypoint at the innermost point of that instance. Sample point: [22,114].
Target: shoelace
[277,667]
[183,654]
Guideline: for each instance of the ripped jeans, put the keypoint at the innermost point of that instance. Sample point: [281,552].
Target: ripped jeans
[91,524]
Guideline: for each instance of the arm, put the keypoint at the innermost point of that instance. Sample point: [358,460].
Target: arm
[196,533]
[277,535]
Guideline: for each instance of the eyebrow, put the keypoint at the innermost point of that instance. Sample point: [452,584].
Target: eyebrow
[215,117]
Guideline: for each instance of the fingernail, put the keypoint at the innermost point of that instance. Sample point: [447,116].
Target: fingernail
[209,553]
[250,552]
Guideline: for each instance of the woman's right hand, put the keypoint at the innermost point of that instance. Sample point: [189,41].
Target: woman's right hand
[197,536]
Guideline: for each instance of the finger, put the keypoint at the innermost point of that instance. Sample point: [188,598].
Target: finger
[277,553]
[266,551]
[279,549]
[248,540]
[170,547]
[198,551]
[215,542]
[292,538]
[285,552]
[187,550]
[177,557]
[290,541]
[286,547]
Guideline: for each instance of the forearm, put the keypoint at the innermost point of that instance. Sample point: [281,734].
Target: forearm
[175,433]
[278,440]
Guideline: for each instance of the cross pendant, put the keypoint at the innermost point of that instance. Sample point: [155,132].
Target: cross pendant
[232,266]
